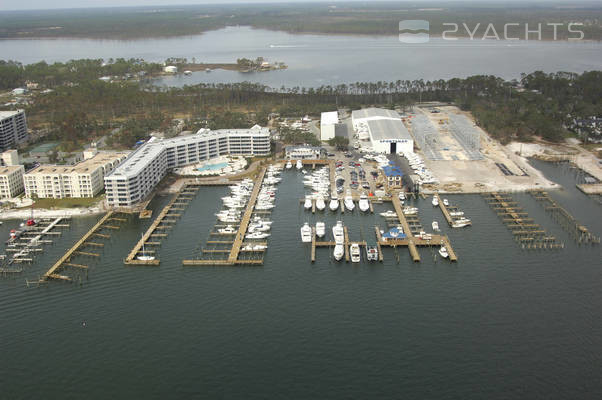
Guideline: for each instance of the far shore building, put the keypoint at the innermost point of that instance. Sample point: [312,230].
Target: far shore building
[137,176]
[328,121]
[13,128]
[11,181]
[85,179]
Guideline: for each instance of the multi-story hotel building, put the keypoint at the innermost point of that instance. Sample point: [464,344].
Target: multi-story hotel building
[11,181]
[13,128]
[136,177]
[85,179]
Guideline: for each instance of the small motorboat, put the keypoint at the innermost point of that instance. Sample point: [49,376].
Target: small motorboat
[339,252]
[410,211]
[402,196]
[289,165]
[435,226]
[443,252]
[334,203]
[364,204]
[299,164]
[388,214]
[445,202]
[308,203]
[371,253]
[355,253]
[461,223]
[435,201]
[306,233]
[320,229]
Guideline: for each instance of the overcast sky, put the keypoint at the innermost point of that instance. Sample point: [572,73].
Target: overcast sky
[52,4]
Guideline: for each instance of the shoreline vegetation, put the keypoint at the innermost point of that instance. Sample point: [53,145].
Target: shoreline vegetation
[346,18]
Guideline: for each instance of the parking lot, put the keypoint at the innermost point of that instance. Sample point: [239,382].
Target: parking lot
[352,173]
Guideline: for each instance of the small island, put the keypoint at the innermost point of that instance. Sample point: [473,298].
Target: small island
[182,65]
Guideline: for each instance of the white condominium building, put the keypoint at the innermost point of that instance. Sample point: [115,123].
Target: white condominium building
[11,181]
[135,178]
[85,179]
[13,128]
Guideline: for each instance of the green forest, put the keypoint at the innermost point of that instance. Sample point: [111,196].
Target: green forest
[371,18]
[81,107]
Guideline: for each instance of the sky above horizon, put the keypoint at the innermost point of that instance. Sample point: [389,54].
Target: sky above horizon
[7,5]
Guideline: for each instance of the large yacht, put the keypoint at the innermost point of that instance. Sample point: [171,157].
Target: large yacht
[320,204]
[364,204]
[339,233]
[349,204]
[339,252]
[320,229]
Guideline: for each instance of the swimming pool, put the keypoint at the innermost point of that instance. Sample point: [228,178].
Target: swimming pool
[213,167]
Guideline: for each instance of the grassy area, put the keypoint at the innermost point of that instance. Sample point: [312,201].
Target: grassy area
[67,203]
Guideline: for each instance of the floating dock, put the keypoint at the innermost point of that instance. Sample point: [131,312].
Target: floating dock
[526,232]
[166,219]
[577,231]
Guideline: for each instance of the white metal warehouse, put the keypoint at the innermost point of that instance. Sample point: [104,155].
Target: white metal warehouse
[386,131]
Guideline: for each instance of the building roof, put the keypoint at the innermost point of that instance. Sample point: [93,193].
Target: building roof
[10,169]
[8,114]
[382,129]
[85,166]
[392,170]
[329,118]
[302,147]
[147,152]
[374,112]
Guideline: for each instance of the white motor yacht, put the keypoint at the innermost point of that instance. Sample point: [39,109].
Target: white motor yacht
[355,253]
[435,226]
[334,203]
[254,247]
[299,164]
[349,204]
[410,210]
[364,204]
[445,202]
[229,229]
[306,233]
[371,253]
[320,205]
[435,201]
[257,235]
[320,229]
[338,232]
[461,223]
[388,214]
[289,165]
[339,252]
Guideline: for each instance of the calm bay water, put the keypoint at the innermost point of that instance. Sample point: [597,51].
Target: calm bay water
[316,60]
[501,323]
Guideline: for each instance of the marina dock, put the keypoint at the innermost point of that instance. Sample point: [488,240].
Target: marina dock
[526,232]
[166,219]
[238,237]
[448,212]
[575,229]
[27,243]
[66,259]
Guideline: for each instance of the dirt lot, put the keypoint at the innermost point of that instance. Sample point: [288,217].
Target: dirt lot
[501,169]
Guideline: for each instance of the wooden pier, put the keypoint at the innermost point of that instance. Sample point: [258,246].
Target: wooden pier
[166,219]
[447,210]
[576,230]
[238,237]
[346,244]
[413,241]
[65,260]
[527,233]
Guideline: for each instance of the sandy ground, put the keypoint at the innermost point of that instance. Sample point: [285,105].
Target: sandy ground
[464,176]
